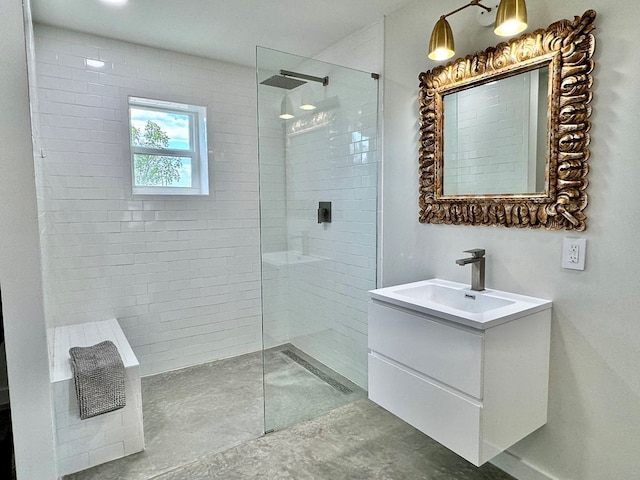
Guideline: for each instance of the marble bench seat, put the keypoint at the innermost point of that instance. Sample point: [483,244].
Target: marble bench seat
[82,444]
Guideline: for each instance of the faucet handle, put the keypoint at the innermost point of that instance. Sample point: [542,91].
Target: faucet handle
[476,252]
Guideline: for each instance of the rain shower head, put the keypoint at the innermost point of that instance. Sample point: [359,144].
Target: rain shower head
[285,80]
[280,81]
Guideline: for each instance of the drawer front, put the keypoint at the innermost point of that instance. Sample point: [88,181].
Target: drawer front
[447,418]
[448,354]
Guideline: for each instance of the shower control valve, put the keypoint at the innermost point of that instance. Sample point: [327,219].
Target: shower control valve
[324,212]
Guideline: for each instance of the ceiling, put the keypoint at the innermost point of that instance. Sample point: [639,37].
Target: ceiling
[226,30]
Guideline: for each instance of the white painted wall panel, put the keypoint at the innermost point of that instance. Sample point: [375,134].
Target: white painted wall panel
[594,389]
[20,260]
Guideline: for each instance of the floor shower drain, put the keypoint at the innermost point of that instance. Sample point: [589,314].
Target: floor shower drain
[317,372]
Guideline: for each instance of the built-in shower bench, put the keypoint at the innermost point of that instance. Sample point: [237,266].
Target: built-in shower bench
[85,443]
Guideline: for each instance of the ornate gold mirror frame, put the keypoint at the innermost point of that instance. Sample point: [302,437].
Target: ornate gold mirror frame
[567,47]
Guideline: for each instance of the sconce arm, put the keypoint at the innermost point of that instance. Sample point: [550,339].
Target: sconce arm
[470,4]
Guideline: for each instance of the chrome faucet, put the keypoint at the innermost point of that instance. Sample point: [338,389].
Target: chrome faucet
[477,267]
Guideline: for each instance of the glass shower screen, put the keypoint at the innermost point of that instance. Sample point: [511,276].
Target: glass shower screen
[318,137]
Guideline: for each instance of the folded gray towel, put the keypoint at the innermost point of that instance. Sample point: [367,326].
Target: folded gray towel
[98,373]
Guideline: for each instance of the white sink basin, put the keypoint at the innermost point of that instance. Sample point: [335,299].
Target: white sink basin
[457,302]
[464,299]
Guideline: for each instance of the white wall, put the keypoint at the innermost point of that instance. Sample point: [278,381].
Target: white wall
[593,430]
[181,274]
[20,275]
[363,50]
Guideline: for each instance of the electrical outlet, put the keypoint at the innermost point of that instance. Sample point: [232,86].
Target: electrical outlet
[573,253]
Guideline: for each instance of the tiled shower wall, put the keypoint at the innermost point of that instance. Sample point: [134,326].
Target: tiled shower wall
[273,222]
[318,301]
[494,137]
[328,298]
[181,274]
[328,317]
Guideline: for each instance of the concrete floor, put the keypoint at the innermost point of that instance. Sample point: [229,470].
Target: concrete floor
[189,413]
[207,422]
[356,441]
[293,394]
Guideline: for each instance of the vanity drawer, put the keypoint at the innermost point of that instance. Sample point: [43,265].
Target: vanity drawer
[452,420]
[448,354]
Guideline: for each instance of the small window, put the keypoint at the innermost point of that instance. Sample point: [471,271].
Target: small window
[168,148]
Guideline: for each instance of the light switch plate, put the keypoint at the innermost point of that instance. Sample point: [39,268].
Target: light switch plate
[574,251]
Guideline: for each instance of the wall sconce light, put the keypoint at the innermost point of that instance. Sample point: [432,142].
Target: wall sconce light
[287,79]
[307,101]
[286,108]
[511,18]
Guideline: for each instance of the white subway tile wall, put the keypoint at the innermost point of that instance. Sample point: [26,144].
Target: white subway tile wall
[181,275]
[316,297]
[273,226]
[489,149]
[337,162]
[328,316]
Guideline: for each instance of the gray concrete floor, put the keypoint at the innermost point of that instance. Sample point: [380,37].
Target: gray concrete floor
[189,413]
[293,394]
[357,441]
[206,423]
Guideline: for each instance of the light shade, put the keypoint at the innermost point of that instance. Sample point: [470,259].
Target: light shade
[511,18]
[441,43]
[307,101]
[286,108]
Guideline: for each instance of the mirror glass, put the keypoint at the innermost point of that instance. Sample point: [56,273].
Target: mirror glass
[494,139]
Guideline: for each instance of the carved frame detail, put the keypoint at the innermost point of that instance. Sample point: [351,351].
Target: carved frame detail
[567,46]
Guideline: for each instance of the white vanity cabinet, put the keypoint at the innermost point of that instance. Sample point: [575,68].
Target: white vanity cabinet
[476,390]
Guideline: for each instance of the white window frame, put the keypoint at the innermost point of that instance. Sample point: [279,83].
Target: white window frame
[198,153]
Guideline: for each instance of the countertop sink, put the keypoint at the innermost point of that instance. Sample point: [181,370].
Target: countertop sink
[458,303]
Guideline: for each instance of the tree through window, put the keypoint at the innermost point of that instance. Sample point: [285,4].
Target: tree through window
[168,147]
